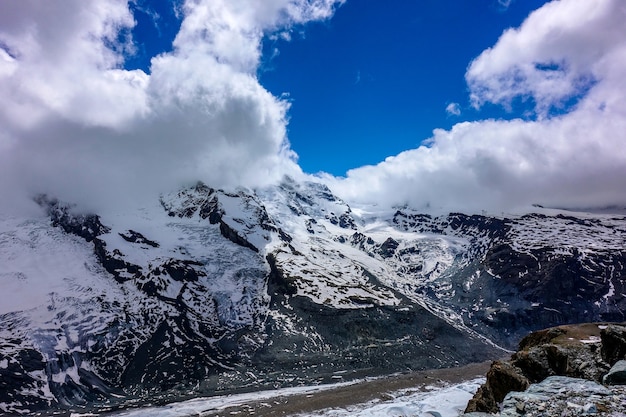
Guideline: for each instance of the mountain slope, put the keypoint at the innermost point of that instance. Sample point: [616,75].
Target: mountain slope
[204,291]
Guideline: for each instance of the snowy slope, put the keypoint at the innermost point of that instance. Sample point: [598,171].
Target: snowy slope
[91,304]
[50,281]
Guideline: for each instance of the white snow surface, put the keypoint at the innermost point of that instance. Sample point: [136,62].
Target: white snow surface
[448,401]
[333,265]
[40,261]
[584,231]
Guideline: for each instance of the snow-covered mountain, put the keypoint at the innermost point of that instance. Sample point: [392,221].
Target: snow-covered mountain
[207,291]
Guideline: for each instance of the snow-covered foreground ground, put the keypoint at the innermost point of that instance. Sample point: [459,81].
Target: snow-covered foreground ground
[421,401]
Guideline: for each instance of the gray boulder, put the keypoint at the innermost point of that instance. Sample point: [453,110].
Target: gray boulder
[559,385]
[554,396]
[617,374]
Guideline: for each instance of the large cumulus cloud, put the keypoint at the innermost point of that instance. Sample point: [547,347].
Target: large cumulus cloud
[568,51]
[75,124]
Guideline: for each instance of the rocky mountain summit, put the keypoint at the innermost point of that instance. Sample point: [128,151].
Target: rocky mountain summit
[204,291]
[559,371]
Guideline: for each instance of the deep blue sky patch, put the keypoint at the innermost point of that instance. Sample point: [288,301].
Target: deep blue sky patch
[376,79]
[156,26]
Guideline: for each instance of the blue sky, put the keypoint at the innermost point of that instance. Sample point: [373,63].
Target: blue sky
[376,79]
[441,104]
[156,26]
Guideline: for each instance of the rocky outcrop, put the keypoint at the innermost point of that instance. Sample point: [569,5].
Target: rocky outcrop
[502,378]
[87,226]
[566,360]
[617,374]
[613,343]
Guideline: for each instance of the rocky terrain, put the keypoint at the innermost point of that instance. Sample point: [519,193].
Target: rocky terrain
[206,291]
[566,371]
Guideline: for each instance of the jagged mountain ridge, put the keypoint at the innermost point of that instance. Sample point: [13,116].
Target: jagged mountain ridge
[209,290]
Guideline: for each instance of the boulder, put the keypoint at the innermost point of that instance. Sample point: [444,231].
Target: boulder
[575,351]
[482,402]
[502,378]
[613,343]
[553,395]
[617,374]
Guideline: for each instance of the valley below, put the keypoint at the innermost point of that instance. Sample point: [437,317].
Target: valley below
[446,389]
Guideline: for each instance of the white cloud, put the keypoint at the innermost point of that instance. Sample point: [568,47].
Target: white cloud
[75,124]
[557,53]
[453,109]
[574,160]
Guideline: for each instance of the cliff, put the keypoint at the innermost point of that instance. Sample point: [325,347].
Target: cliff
[565,370]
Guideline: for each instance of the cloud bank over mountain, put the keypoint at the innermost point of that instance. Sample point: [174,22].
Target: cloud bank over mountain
[568,58]
[76,124]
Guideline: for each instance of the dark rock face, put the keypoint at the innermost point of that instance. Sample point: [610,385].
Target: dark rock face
[573,283]
[232,235]
[87,226]
[502,378]
[322,339]
[388,248]
[613,344]
[17,373]
[136,237]
[573,351]
[375,340]
[531,272]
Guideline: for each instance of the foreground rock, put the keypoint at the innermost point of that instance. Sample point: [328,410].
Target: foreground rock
[558,371]
[617,374]
[565,396]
